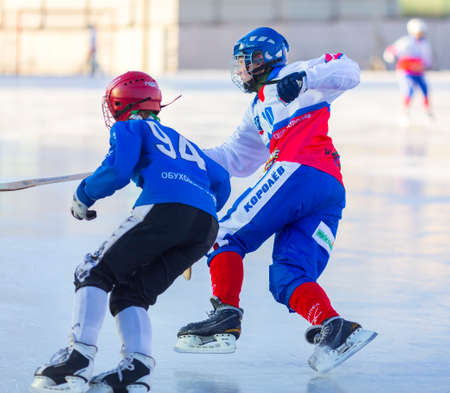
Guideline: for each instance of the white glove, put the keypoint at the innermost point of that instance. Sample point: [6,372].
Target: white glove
[80,211]
[388,57]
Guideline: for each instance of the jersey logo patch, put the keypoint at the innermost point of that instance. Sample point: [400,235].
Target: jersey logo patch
[268,115]
[324,237]
[330,56]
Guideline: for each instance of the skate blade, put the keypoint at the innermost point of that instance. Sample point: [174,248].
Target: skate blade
[404,122]
[219,343]
[104,388]
[324,361]
[46,385]
[99,388]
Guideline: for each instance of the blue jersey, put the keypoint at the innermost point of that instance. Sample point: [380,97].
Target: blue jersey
[168,167]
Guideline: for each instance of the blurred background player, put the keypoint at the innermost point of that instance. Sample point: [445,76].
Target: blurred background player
[172,225]
[92,53]
[299,198]
[413,56]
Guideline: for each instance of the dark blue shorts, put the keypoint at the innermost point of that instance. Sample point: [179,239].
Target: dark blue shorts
[302,206]
[411,82]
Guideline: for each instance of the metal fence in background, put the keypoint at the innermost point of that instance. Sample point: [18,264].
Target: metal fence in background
[53,37]
[279,11]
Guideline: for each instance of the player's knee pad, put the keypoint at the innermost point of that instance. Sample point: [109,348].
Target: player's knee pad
[91,272]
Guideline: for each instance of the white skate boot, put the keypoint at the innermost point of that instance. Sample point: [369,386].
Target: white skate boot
[404,120]
[68,370]
[132,375]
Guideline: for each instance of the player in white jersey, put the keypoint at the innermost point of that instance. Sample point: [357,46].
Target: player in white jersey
[413,56]
[299,198]
[172,225]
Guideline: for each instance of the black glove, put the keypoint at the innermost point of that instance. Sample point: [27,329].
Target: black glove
[289,87]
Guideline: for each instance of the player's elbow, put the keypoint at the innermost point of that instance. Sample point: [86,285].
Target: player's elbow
[346,82]
[346,77]
[223,194]
[119,176]
[355,74]
[354,79]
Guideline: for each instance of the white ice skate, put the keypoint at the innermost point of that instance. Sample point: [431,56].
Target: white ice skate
[132,375]
[68,371]
[339,339]
[404,120]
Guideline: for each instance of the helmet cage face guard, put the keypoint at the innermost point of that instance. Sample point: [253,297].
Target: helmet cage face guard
[248,67]
[107,113]
[123,113]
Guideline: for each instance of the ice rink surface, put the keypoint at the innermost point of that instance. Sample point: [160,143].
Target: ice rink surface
[390,269]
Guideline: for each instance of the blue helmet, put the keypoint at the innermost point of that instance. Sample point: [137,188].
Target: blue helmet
[260,50]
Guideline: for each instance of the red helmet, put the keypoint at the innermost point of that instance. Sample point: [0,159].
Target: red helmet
[131,91]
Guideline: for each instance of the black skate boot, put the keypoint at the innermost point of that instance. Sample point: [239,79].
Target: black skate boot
[132,375]
[69,370]
[339,339]
[217,334]
[312,334]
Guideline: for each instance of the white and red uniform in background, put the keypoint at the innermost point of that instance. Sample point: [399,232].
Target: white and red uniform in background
[413,55]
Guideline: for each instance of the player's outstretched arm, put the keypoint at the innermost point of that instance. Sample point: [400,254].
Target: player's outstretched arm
[113,174]
[389,54]
[243,152]
[116,169]
[333,72]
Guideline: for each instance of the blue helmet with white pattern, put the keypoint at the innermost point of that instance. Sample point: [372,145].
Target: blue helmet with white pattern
[255,54]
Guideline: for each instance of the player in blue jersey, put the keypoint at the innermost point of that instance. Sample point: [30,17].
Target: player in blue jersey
[172,225]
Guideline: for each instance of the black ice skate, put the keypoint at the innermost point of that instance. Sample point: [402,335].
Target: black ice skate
[132,375]
[217,334]
[339,339]
[312,334]
[69,370]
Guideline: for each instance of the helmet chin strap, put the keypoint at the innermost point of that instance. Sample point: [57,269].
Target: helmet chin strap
[259,80]
[171,102]
[263,66]
[130,105]
[134,115]
[126,108]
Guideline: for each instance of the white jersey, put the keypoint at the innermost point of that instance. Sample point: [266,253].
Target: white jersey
[294,132]
[413,55]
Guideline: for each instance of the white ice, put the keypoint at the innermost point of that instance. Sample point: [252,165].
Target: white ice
[390,269]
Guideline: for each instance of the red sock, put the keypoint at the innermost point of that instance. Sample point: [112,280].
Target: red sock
[312,303]
[227,274]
